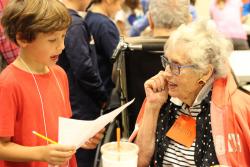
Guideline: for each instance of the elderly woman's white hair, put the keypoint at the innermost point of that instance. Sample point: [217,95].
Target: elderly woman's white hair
[202,44]
[169,13]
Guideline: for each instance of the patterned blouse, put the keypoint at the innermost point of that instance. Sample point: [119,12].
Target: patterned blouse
[170,153]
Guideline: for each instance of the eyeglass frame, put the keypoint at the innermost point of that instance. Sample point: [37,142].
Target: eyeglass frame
[165,63]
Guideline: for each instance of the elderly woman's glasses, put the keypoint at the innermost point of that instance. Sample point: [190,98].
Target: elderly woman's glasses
[175,68]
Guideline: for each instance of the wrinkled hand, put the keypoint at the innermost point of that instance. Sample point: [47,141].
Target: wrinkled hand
[156,89]
[93,142]
[56,154]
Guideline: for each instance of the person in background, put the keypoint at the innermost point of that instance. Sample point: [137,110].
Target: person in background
[227,15]
[192,9]
[139,26]
[245,7]
[135,11]
[167,15]
[33,90]
[3,63]
[193,114]
[8,50]
[87,92]
[106,36]
[142,23]
[126,16]
[246,15]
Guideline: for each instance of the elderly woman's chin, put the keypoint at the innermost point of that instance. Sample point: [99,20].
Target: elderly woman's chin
[173,92]
[177,92]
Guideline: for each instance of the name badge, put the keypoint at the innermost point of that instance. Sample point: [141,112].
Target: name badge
[183,130]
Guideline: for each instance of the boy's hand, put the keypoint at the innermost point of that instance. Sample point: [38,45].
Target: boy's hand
[56,154]
[92,142]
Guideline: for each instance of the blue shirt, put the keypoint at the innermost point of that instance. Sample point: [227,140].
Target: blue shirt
[106,37]
[87,91]
[246,9]
[140,24]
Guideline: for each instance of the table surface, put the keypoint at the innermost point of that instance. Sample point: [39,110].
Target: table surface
[240,63]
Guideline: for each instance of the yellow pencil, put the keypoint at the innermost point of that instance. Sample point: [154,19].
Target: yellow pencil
[44,137]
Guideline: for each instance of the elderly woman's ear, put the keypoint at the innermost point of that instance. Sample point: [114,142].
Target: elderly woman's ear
[205,76]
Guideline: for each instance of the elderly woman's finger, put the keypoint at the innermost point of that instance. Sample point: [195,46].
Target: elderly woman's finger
[158,82]
[163,80]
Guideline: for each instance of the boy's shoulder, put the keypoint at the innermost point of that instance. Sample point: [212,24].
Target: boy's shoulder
[57,69]
[9,76]
[59,72]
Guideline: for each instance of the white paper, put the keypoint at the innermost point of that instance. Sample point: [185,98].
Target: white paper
[77,132]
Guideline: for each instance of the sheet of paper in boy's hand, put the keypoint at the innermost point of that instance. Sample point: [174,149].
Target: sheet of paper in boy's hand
[77,132]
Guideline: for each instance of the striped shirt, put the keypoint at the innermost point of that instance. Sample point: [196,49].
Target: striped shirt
[169,153]
[177,154]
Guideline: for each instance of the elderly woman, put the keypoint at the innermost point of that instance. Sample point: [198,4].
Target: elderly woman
[194,115]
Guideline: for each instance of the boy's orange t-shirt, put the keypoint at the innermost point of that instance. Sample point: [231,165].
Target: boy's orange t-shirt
[21,109]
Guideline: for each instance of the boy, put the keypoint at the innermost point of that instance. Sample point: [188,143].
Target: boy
[33,90]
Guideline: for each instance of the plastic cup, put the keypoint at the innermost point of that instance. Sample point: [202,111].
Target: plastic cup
[126,156]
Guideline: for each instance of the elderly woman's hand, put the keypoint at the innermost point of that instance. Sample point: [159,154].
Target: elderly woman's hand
[92,142]
[156,89]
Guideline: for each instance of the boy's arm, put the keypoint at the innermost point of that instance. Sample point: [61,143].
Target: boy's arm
[53,154]
[12,152]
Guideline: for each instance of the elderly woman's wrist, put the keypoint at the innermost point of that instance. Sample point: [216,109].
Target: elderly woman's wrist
[153,108]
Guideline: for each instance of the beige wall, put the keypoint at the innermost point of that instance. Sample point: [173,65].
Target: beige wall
[202,7]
